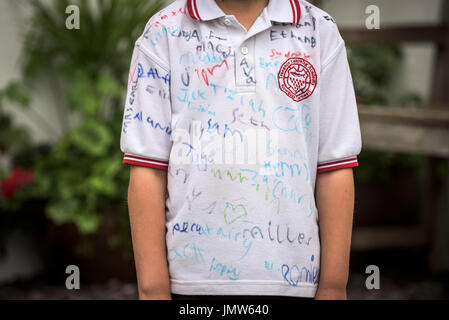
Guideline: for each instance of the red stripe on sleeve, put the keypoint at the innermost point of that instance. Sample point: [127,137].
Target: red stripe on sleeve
[348,165]
[145,162]
[162,162]
[335,165]
[337,162]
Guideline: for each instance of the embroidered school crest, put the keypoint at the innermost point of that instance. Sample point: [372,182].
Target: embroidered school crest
[297,78]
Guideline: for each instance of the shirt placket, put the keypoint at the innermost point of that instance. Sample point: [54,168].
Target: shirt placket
[245,50]
[245,57]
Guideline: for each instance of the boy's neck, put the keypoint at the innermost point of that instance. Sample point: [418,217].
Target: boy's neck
[245,11]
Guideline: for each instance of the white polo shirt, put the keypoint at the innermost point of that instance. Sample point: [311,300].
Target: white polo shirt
[243,121]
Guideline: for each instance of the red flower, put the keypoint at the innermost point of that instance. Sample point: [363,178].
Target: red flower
[17,179]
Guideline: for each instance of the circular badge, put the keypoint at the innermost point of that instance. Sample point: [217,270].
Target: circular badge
[297,78]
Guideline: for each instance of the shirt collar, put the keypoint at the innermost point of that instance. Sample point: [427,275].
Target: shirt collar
[204,10]
[287,11]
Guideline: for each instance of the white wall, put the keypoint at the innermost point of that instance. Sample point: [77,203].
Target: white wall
[417,69]
[13,18]
[351,13]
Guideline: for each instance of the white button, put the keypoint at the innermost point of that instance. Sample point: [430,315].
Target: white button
[227,22]
[244,50]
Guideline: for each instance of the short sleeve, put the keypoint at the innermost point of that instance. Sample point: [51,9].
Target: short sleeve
[339,129]
[146,129]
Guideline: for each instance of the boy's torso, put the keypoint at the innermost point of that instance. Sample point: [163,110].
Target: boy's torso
[241,214]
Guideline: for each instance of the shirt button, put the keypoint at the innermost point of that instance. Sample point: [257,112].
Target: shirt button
[227,22]
[244,50]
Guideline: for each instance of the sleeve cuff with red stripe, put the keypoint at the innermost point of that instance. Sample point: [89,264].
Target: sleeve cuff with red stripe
[145,162]
[340,164]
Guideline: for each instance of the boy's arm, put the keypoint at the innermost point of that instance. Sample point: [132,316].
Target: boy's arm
[146,202]
[335,203]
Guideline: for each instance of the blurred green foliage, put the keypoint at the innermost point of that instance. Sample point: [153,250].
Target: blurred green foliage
[81,176]
[373,68]
[12,138]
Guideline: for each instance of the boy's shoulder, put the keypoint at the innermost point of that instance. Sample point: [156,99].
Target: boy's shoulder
[168,20]
[312,11]
[328,32]
[172,14]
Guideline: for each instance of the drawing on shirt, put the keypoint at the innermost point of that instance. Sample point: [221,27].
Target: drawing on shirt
[189,250]
[240,117]
[177,172]
[210,208]
[153,73]
[248,71]
[204,73]
[294,275]
[283,235]
[306,40]
[222,50]
[164,94]
[226,270]
[187,227]
[192,197]
[275,54]
[261,188]
[156,20]
[232,212]
[140,116]
[293,119]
